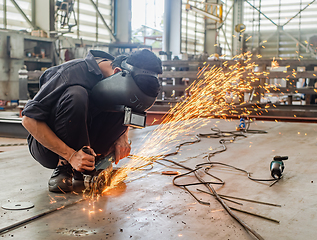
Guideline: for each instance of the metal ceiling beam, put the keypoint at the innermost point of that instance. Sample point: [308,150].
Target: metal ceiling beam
[298,12]
[202,12]
[103,20]
[24,15]
[261,13]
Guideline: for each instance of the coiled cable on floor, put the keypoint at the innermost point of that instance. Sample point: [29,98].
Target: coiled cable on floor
[225,137]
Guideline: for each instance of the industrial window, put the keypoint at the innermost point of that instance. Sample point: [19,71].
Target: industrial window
[225,32]
[12,18]
[90,25]
[281,28]
[193,30]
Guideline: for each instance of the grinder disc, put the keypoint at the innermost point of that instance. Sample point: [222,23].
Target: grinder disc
[18,205]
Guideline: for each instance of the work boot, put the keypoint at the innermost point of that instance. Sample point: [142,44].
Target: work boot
[78,182]
[61,179]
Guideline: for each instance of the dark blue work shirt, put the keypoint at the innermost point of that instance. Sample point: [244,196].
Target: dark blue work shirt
[55,80]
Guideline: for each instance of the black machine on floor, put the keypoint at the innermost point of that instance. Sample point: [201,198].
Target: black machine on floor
[277,166]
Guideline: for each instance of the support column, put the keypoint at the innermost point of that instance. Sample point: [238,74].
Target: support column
[42,18]
[211,34]
[123,20]
[5,14]
[237,41]
[52,15]
[172,27]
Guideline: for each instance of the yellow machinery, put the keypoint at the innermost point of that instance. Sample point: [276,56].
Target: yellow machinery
[211,10]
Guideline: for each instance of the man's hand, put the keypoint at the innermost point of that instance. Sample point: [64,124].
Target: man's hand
[82,161]
[122,147]
[43,134]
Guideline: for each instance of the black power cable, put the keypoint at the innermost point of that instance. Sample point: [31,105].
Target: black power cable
[225,136]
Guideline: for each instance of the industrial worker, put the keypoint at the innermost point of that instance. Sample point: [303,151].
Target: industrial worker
[62,119]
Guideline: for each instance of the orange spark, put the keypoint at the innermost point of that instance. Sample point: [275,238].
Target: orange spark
[211,96]
[52,200]
[154,120]
[248,38]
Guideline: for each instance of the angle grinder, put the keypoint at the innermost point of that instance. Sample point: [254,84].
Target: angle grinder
[277,166]
[241,126]
[94,182]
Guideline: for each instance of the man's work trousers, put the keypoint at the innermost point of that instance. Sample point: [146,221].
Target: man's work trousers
[78,123]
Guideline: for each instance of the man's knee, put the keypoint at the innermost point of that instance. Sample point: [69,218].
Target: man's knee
[75,97]
[72,104]
[41,154]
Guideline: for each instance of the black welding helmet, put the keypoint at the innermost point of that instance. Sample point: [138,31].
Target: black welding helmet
[121,90]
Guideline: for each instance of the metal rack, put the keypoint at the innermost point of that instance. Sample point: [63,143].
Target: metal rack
[290,90]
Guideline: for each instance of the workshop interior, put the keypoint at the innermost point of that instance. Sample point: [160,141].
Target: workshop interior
[227,149]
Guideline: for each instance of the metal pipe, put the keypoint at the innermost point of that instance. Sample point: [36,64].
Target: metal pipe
[195,45]
[278,32]
[186,40]
[299,29]
[97,23]
[28,220]
[225,206]
[78,32]
[254,214]
[24,15]
[5,13]
[167,28]
[198,200]
[103,20]
[259,27]
[243,199]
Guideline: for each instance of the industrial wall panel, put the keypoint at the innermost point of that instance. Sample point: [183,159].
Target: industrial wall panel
[225,32]
[16,48]
[297,18]
[87,18]
[90,25]
[192,31]
[9,80]
[15,20]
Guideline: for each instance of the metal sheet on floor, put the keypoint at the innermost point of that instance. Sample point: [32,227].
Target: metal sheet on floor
[149,206]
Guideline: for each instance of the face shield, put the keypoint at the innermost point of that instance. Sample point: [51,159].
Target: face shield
[119,92]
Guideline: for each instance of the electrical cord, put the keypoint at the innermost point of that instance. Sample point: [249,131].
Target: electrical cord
[225,136]
[208,184]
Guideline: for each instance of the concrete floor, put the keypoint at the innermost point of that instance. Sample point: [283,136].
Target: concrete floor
[151,207]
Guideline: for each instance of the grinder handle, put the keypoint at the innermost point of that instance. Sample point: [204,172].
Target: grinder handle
[87,150]
[280,158]
[101,164]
